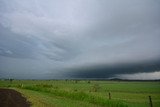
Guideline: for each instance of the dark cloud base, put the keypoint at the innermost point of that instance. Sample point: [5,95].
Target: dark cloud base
[105,71]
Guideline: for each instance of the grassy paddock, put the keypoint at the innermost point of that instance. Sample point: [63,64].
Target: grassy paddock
[71,93]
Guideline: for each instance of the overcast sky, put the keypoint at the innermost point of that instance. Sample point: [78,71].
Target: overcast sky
[48,39]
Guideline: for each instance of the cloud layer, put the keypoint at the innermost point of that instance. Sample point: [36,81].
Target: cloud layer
[78,38]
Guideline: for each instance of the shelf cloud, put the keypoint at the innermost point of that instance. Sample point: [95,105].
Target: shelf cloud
[79,38]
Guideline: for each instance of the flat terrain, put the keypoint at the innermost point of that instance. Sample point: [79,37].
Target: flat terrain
[86,93]
[12,98]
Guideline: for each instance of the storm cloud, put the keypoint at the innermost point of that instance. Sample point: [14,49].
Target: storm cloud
[79,38]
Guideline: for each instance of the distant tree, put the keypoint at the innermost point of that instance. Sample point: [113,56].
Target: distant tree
[11,80]
[89,82]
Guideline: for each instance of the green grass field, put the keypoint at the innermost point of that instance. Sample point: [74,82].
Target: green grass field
[76,93]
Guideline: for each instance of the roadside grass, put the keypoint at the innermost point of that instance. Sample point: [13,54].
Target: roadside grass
[80,96]
[43,99]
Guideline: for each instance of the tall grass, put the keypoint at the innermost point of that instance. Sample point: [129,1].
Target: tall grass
[82,96]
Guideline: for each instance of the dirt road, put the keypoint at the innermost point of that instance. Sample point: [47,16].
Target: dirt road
[12,98]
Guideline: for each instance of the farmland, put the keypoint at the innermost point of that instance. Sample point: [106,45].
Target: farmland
[86,93]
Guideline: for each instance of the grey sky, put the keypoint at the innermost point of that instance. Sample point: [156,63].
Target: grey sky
[73,38]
